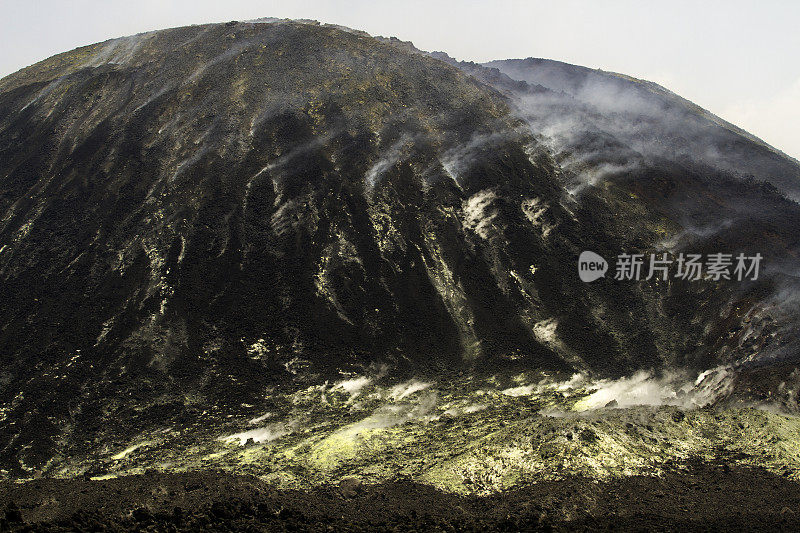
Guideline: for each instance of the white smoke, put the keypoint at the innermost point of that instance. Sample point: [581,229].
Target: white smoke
[620,121]
[669,388]
[676,387]
[397,414]
[267,433]
[353,386]
[458,159]
[392,156]
[259,419]
[478,212]
[408,388]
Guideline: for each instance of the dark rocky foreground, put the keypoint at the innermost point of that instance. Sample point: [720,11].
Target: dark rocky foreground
[699,497]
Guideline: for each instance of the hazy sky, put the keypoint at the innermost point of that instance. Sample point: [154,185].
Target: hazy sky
[740,60]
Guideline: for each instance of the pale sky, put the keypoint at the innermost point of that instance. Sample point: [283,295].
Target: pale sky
[738,59]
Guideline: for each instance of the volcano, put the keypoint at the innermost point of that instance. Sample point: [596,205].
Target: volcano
[303,253]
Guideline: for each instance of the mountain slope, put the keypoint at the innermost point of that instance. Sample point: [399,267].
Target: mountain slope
[647,118]
[198,223]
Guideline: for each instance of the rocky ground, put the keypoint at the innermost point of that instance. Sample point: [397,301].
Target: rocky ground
[472,437]
[700,497]
[421,456]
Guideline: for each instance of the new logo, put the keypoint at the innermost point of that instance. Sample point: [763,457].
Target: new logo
[591,266]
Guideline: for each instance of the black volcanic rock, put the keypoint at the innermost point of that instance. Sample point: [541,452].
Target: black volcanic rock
[192,217]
